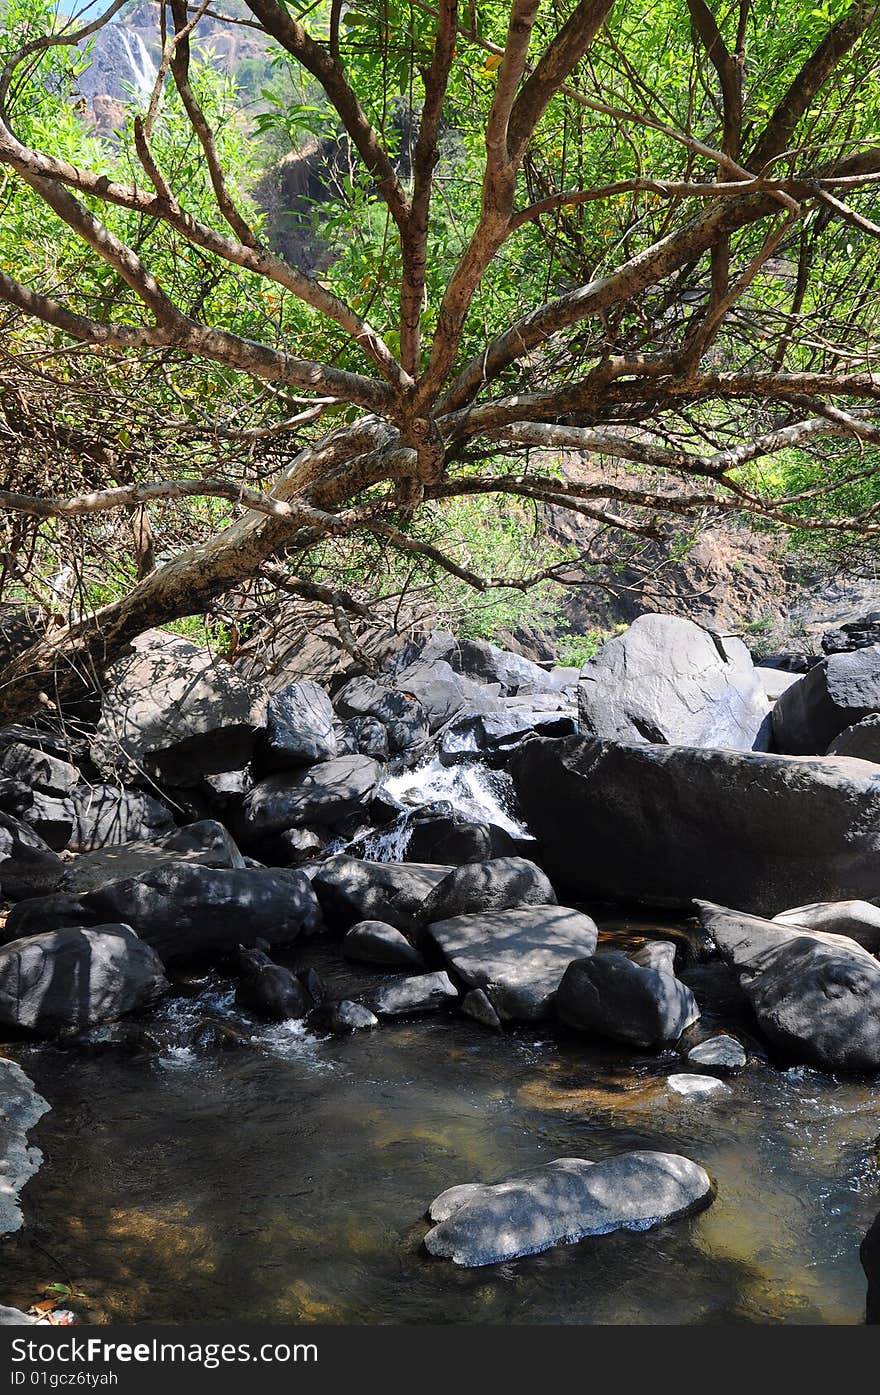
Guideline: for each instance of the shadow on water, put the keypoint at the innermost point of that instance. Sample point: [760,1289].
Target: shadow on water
[289,1183]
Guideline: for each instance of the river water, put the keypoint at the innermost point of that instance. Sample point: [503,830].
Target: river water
[286,1181]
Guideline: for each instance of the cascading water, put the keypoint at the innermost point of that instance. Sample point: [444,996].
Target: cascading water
[472,790]
[143,68]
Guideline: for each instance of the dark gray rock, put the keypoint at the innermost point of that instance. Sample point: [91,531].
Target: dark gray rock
[104,815]
[376,942]
[816,996]
[75,977]
[476,659]
[345,1016]
[20,1109]
[184,909]
[206,843]
[295,846]
[668,681]
[37,914]
[837,693]
[861,741]
[365,736]
[317,794]
[443,693]
[517,956]
[410,997]
[609,996]
[299,728]
[858,920]
[269,990]
[662,824]
[401,714]
[477,1005]
[49,815]
[855,634]
[501,732]
[350,890]
[37,769]
[28,866]
[451,838]
[502,884]
[561,1202]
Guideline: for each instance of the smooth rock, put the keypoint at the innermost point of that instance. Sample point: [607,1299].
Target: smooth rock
[859,920]
[835,694]
[669,681]
[207,844]
[299,727]
[443,693]
[105,815]
[662,824]
[609,996]
[451,838]
[861,741]
[406,997]
[269,990]
[76,977]
[476,659]
[364,736]
[345,1016]
[376,942]
[317,794]
[562,1202]
[656,954]
[695,1086]
[351,890]
[816,996]
[518,957]
[723,1052]
[476,1004]
[501,884]
[50,816]
[400,713]
[28,866]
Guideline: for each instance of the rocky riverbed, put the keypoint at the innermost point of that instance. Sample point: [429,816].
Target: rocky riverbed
[416,901]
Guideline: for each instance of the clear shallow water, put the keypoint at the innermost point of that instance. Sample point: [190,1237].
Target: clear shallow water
[287,1182]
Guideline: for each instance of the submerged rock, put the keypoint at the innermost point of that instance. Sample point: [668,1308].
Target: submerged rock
[695,1086]
[816,996]
[518,957]
[610,996]
[662,824]
[667,680]
[74,978]
[20,1109]
[564,1201]
[405,997]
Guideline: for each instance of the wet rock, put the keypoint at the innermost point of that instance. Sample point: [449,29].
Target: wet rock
[835,694]
[503,883]
[816,996]
[20,1109]
[861,741]
[214,1035]
[608,995]
[695,1086]
[28,866]
[661,824]
[409,997]
[345,1016]
[721,1052]
[73,978]
[518,957]
[350,890]
[318,794]
[562,1202]
[206,844]
[859,920]
[269,990]
[313,984]
[299,728]
[668,681]
[656,954]
[376,942]
[476,1004]
[400,713]
[105,815]
[184,909]
[173,708]
[453,839]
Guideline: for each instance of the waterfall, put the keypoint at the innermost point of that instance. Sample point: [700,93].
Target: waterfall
[143,68]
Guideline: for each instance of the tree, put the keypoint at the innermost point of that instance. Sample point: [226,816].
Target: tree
[695,190]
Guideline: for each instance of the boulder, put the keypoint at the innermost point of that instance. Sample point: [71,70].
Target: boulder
[376,942]
[20,1109]
[855,634]
[721,1053]
[662,824]
[317,794]
[37,769]
[861,741]
[859,920]
[656,954]
[837,693]
[73,978]
[350,890]
[476,659]
[477,1005]
[37,914]
[518,957]
[183,908]
[172,708]
[365,736]
[104,815]
[499,733]
[269,990]
[452,838]
[775,681]
[206,843]
[564,1201]
[816,996]
[410,997]
[669,681]
[28,866]
[501,884]
[49,815]
[609,996]
[299,727]
[400,713]
[443,693]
